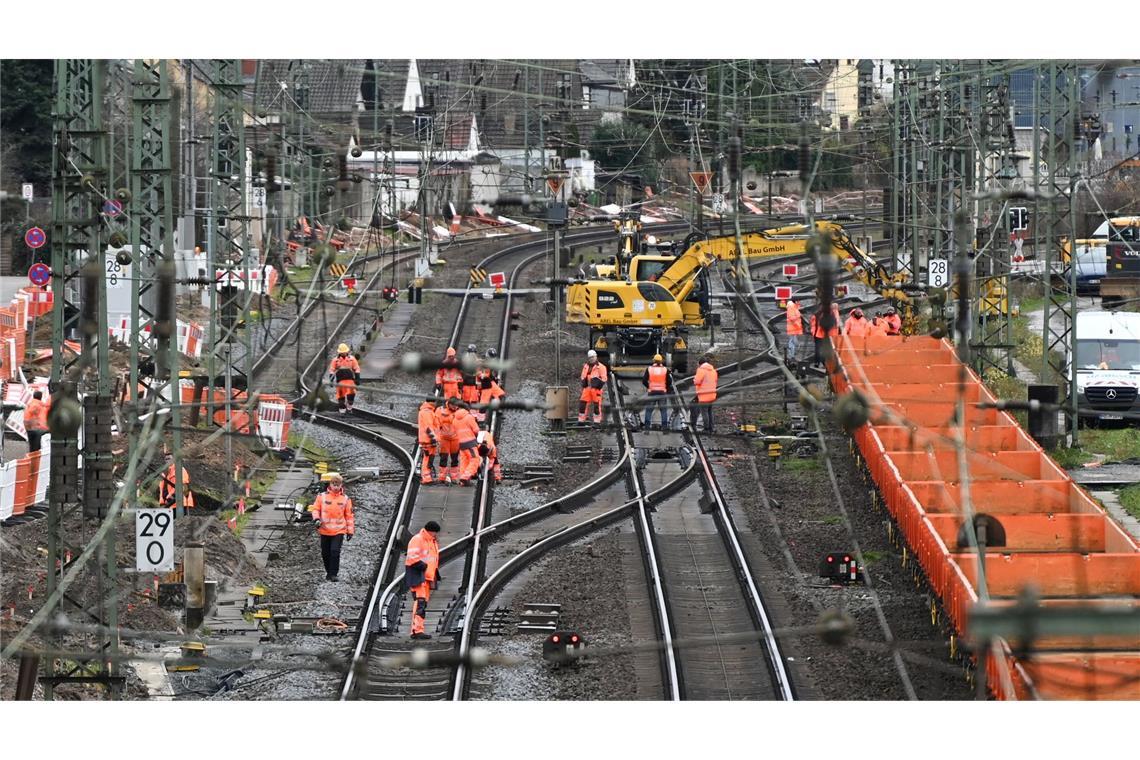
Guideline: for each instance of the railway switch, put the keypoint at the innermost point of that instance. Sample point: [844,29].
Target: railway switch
[840,567]
[561,647]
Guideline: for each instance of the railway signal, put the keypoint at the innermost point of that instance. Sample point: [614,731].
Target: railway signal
[561,647]
[840,567]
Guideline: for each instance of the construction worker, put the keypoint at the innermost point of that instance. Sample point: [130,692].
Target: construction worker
[468,372]
[448,377]
[167,489]
[35,420]
[448,437]
[820,333]
[344,370]
[659,381]
[421,573]
[856,325]
[795,326]
[489,390]
[878,325]
[594,378]
[488,450]
[894,322]
[428,440]
[705,384]
[332,513]
[467,432]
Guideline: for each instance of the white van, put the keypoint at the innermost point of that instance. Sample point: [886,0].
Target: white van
[1108,365]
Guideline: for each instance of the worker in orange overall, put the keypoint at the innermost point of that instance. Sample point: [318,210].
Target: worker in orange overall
[795,327]
[856,325]
[448,377]
[468,372]
[488,450]
[421,573]
[428,440]
[594,379]
[332,512]
[659,382]
[167,488]
[894,321]
[35,420]
[878,325]
[448,437]
[705,384]
[467,431]
[344,370]
[489,390]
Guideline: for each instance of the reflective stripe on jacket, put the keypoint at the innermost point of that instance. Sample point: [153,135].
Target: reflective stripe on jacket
[445,423]
[595,370]
[466,427]
[335,514]
[424,548]
[705,382]
[658,378]
[35,415]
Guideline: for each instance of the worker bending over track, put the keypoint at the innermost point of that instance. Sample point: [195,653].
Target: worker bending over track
[421,573]
[488,450]
[594,379]
[344,370]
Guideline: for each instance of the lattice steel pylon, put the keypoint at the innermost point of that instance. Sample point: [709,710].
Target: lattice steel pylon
[154,345]
[1057,90]
[79,188]
[226,242]
[994,140]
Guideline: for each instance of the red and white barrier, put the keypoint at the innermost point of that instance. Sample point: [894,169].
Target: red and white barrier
[21,393]
[24,481]
[261,280]
[190,335]
[274,416]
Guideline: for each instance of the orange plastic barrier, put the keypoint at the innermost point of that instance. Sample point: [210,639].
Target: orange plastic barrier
[1057,539]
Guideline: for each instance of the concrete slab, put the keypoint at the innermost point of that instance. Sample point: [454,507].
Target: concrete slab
[391,334]
[1106,475]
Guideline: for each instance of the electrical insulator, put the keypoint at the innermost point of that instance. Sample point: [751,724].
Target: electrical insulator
[164,316]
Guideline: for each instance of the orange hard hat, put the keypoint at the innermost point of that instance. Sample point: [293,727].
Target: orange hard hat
[450,352]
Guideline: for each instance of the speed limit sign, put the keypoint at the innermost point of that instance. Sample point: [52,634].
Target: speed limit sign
[938,273]
[154,540]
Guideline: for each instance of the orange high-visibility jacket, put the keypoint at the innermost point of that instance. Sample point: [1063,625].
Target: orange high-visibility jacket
[466,427]
[657,379]
[167,491]
[487,446]
[424,548]
[35,415]
[705,382]
[335,514]
[856,327]
[795,321]
[877,327]
[448,380]
[894,324]
[445,423]
[426,421]
[342,365]
[596,370]
[492,391]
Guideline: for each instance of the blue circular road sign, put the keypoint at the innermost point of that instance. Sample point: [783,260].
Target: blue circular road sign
[39,274]
[35,238]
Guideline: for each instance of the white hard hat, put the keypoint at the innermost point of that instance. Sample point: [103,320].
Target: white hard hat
[591,354]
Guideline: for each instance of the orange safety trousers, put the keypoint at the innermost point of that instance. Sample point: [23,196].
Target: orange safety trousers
[469,462]
[421,595]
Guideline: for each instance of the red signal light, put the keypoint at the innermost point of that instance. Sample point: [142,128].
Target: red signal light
[574,639]
[847,559]
[554,638]
[830,558]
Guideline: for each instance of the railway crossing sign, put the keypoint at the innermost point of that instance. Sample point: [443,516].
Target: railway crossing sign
[701,180]
[938,273]
[498,280]
[35,238]
[112,208]
[783,293]
[154,540]
[791,270]
[39,274]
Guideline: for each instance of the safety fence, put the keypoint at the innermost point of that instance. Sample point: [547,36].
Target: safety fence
[15,320]
[271,418]
[190,335]
[24,481]
[1043,531]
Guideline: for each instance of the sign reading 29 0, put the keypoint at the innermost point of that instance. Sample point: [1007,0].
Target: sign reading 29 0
[154,540]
